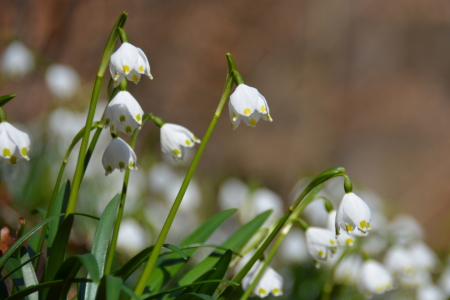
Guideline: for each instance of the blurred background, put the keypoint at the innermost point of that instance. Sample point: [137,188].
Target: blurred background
[358,84]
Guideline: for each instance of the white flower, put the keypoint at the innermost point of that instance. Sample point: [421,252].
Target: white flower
[63,81]
[343,239]
[260,201]
[248,104]
[293,248]
[423,256]
[17,60]
[374,278]
[130,62]
[321,243]
[174,138]
[348,270]
[118,155]
[132,236]
[270,282]
[430,292]
[11,139]
[124,113]
[353,213]
[399,262]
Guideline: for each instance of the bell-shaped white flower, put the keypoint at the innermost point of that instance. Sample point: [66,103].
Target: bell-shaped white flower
[374,278]
[348,270]
[321,243]
[118,155]
[11,139]
[400,262]
[130,62]
[174,138]
[423,256]
[248,104]
[17,60]
[63,81]
[430,292]
[123,113]
[343,239]
[353,213]
[270,281]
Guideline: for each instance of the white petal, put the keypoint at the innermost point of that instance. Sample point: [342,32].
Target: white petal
[118,155]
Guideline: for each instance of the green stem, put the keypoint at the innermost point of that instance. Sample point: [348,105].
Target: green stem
[75,141]
[173,211]
[115,236]
[2,115]
[79,171]
[328,174]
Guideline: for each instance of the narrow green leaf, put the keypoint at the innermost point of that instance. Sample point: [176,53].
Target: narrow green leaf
[101,241]
[20,295]
[192,288]
[58,208]
[234,243]
[22,239]
[13,266]
[130,266]
[129,292]
[6,98]
[171,264]
[192,296]
[109,288]
[220,269]
[29,276]
[18,267]
[176,250]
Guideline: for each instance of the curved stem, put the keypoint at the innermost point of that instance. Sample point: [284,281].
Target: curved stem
[324,176]
[165,230]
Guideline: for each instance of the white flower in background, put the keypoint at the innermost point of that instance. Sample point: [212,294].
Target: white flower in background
[343,239]
[430,292]
[63,81]
[293,249]
[353,213]
[348,270]
[260,201]
[130,62]
[118,155]
[192,198]
[132,237]
[11,139]
[161,177]
[399,262]
[423,256]
[405,229]
[248,104]
[315,213]
[17,60]
[124,113]
[374,244]
[374,278]
[174,138]
[321,243]
[444,280]
[232,193]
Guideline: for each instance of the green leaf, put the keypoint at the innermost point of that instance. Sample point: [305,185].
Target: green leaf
[130,266]
[129,292]
[176,250]
[6,98]
[234,243]
[59,207]
[109,288]
[220,269]
[192,296]
[101,241]
[18,267]
[14,267]
[171,264]
[29,276]
[20,295]
[22,239]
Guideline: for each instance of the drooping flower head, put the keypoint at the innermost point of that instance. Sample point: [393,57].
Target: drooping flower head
[12,139]
[248,104]
[174,138]
[343,239]
[321,243]
[353,213]
[118,155]
[374,278]
[124,113]
[130,62]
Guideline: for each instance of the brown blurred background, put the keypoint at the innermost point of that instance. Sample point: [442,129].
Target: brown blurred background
[362,84]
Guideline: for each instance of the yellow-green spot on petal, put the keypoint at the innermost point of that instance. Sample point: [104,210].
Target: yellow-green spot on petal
[349,241]
[122,118]
[276,291]
[131,165]
[234,116]
[138,117]
[321,253]
[109,169]
[196,139]
[349,228]
[107,121]
[121,165]
[269,117]
[112,127]
[379,288]
[252,122]
[177,152]
[13,160]
[6,152]
[263,109]
[23,151]
[128,129]
[135,78]
[116,83]
[247,112]
[126,69]
[188,142]
[369,226]
[363,224]
[141,69]
[332,242]
[116,75]
[262,291]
